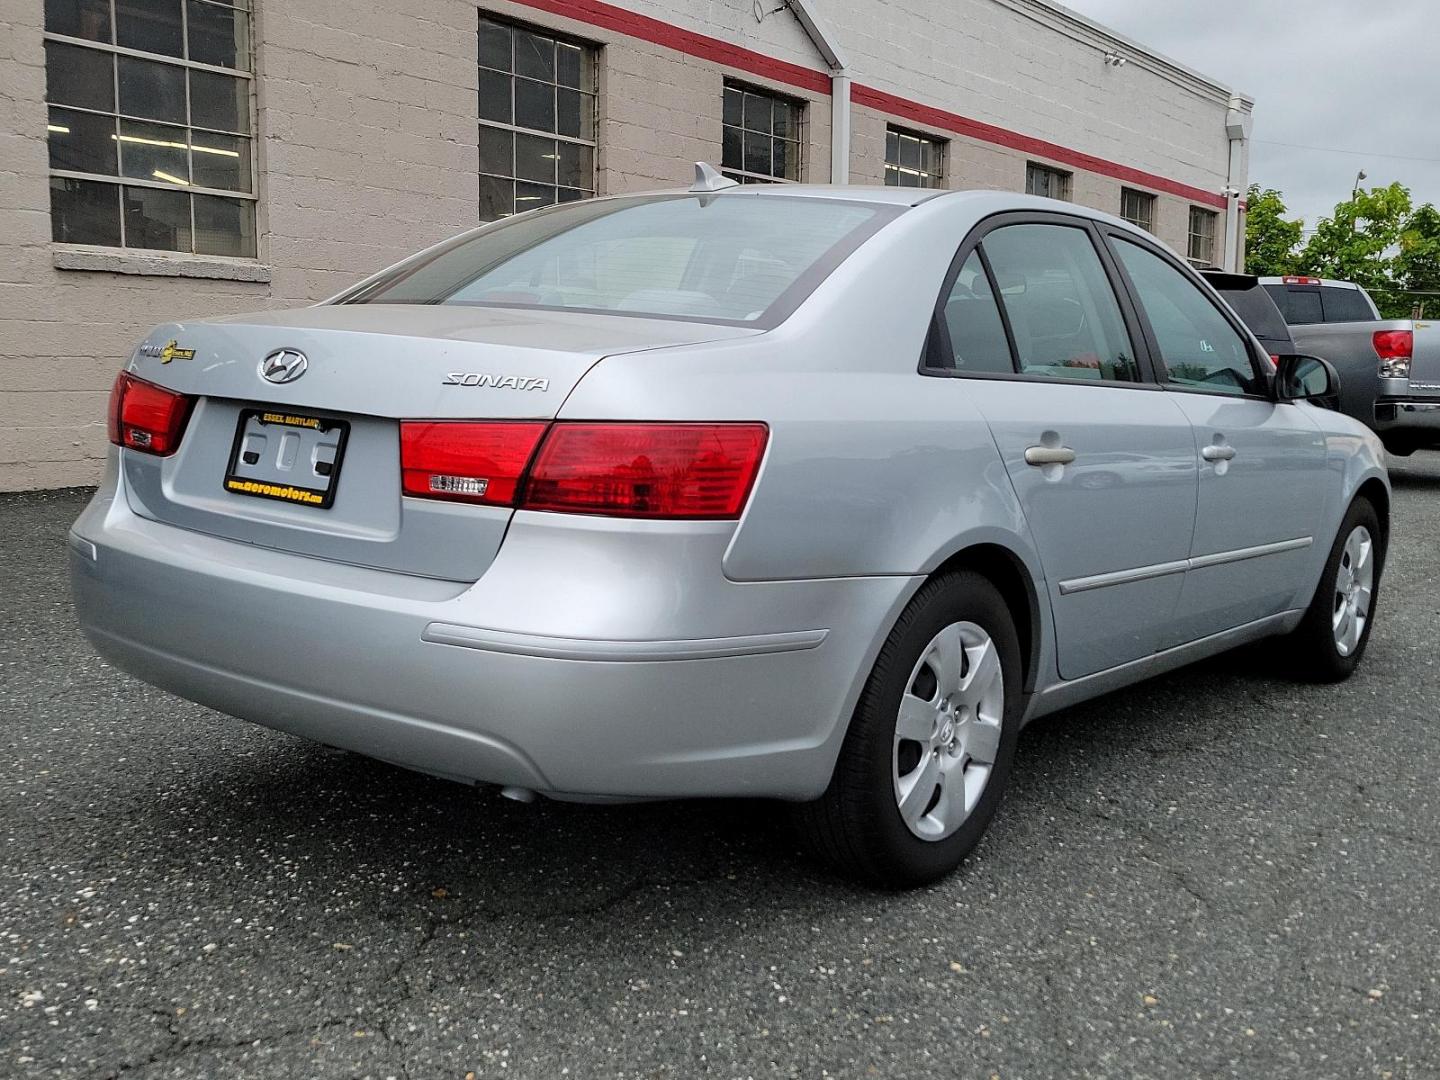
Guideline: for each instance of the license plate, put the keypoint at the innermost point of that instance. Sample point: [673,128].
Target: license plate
[290,457]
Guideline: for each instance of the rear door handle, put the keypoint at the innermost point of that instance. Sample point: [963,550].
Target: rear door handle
[1218,453]
[1049,455]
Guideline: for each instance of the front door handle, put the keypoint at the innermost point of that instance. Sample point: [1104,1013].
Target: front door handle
[1218,453]
[1049,455]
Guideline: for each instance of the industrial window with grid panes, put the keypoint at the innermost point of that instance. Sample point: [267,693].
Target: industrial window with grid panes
[913,160]
[761,136]
[1138,208]
[1201,244]
[150,124]
[537,119]
[1045,181]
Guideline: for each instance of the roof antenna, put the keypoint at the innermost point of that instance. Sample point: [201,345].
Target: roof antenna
[708,179]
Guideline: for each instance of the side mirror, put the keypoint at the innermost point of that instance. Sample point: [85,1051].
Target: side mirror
[1306,378]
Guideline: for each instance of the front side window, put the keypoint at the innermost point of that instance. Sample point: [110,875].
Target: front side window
[974,336]
[1201,245]
[761,136]
[913,160]
[1138,208]
[151,147]
[1062,309]
[537,119]
[729,259]
[1200,348]
[1047,182]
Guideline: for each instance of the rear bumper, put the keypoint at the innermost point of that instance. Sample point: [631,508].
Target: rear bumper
[630,668]
[1416,421]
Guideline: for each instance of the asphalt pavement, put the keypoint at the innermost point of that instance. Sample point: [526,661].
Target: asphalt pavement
[1214,874]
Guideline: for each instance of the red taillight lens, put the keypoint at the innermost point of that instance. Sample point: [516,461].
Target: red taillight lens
[1394,344]
[467,462]
[646,470]
[146,417]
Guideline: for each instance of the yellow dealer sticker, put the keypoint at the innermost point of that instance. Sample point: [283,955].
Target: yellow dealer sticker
[172,351]
[275,491]
[291,421]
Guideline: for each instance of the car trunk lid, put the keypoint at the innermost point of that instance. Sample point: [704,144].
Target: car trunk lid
[365,369]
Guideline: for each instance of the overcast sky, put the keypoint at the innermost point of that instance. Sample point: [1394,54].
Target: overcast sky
[1333,75]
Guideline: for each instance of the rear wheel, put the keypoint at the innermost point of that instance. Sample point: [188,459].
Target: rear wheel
[928,752]
[1330,641]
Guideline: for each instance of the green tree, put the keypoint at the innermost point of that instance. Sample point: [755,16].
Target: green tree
[1270,237]
[1417,265]
[1360,241]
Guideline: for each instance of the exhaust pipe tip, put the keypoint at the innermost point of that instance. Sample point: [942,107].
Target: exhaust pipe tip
[518,794]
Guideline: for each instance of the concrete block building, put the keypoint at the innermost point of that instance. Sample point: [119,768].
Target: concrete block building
[172,159]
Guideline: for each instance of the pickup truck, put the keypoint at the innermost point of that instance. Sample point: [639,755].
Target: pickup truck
[1389,368]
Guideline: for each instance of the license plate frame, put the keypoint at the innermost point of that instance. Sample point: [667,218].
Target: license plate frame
[278,454]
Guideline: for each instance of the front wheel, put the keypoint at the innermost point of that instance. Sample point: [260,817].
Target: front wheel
[928,752]
[1329,642]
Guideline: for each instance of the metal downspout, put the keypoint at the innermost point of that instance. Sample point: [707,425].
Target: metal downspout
[825,42]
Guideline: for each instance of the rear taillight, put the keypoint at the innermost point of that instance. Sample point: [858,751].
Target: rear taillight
[466,462]
[1395,348]
[1274,361]
[146,417]
[663,470]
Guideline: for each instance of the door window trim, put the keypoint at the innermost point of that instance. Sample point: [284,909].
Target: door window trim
[937,337]
[1109,235]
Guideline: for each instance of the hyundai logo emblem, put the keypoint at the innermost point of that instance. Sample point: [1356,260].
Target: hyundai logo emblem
[283,365]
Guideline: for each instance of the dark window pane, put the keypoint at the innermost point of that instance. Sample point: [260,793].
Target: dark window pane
[220,161]
[153,90]
[757,152]
[497,151]
[219,101]
[82,142]
[758,113]
[574,114]
[494,45]
[732,155]
[534,56]
[84,212]
[224,226]
[79,76]
[532,196]
[535,158]
[495,97]
[157,219]
[154,152]
[218,35]
[910,153]
[150,25]
[892,147]
[534,105]
[977,336]
[782,159]
[577,167]
[733,106]
[497,198]
[572,194]
[570,66]
[88,19]
[785,125]
[1344,305]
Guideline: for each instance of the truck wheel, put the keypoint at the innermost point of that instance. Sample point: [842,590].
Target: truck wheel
[928,752]
[1329,642]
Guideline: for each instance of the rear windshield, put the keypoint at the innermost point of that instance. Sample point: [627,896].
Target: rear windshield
[1257,311]
[1301,304]
[746,259]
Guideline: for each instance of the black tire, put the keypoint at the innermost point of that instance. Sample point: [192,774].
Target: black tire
[856,826]
[1314,654]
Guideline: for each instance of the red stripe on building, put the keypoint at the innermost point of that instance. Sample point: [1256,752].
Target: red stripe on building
[674,37]
[704,47]
[975,129]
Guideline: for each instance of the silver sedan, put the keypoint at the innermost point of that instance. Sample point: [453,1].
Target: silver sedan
[815,494]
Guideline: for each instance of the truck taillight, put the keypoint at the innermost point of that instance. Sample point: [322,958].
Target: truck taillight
[655,470]
[479,462]
[1395,349]
[146,417]
[1300,279]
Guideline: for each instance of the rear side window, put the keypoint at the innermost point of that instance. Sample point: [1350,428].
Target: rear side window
[1344,305]
[1201,350]
[1062,310]
[725,258]
[976,336]
[1257,311]
[1299,306]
